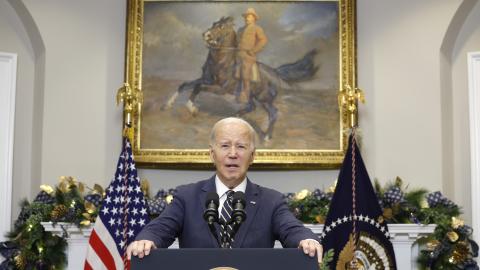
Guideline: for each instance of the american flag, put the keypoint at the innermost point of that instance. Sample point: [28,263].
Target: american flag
[121,217]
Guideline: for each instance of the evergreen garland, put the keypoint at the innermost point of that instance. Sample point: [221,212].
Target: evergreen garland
[30,246]
[449,247]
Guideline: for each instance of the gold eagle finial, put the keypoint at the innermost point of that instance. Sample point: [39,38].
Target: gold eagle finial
[131,98]
[349,98]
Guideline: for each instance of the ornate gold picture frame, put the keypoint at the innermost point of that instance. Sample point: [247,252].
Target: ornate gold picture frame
[307,63]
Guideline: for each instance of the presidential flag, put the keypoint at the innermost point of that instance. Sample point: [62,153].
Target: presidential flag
[354,227]
[121,217]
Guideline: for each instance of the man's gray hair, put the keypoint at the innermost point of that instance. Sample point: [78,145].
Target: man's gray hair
[232,120]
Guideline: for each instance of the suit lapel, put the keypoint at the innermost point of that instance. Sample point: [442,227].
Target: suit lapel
[252,198]
[209,186]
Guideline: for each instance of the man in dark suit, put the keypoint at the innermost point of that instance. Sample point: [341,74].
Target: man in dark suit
[232,150]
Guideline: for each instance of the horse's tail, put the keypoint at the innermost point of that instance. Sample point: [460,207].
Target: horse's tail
[271,75]
[302,70]
[286,75]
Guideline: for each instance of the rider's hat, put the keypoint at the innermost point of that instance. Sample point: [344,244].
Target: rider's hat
[251,11]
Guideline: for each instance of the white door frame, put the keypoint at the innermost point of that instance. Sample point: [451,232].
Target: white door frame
[473,59]
[8,78]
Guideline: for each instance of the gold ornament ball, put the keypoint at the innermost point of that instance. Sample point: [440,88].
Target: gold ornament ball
[452,236]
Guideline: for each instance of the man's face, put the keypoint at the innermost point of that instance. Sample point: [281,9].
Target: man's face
[232,152]
[249,19]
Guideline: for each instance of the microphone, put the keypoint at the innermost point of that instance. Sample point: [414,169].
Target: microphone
[211,213]
[238,214]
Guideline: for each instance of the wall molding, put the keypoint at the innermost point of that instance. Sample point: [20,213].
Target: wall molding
[8,75]
[473,59]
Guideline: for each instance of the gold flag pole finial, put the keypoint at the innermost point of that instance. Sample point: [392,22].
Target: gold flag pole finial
[349,98]
[131,98]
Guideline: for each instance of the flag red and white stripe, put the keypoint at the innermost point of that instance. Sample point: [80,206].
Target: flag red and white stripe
[99,247]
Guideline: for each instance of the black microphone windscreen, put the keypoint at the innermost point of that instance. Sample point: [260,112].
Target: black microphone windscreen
[239,197]
[212,196]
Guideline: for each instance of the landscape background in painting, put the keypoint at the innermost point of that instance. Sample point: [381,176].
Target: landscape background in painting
[174,52]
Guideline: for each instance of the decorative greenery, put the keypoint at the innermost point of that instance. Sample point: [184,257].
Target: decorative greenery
[326,260]
[450,246]
[30,247]
[35,249]
[310,207]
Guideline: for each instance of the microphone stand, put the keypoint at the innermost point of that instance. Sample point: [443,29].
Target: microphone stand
[211,214]
[213,230]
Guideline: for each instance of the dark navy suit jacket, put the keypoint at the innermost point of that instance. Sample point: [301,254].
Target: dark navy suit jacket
[268,219]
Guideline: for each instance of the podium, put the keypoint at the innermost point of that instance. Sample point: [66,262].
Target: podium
[403,236]
[237,258]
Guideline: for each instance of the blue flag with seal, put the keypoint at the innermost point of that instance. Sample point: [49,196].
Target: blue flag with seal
[354,227]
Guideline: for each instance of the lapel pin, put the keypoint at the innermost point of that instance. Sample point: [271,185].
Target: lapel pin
[252,202]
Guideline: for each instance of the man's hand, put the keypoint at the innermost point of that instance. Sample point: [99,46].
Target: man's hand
[140,248]
[311,247]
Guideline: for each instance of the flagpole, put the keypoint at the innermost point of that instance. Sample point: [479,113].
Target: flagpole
[125,210]
[365,242]
[348,99]
[354,261]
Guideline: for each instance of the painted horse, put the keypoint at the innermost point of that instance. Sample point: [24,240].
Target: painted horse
[219,70]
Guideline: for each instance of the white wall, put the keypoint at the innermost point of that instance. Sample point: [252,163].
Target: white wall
[399,69]
[15,40]
[468,41]
[398,53]
[84,43]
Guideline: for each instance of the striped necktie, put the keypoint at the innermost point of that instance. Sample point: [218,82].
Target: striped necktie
[226,214]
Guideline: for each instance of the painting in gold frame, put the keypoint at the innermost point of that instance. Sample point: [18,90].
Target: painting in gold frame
[169,52]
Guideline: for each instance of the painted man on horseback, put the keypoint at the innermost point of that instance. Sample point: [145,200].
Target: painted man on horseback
[251,40]
[259,83]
